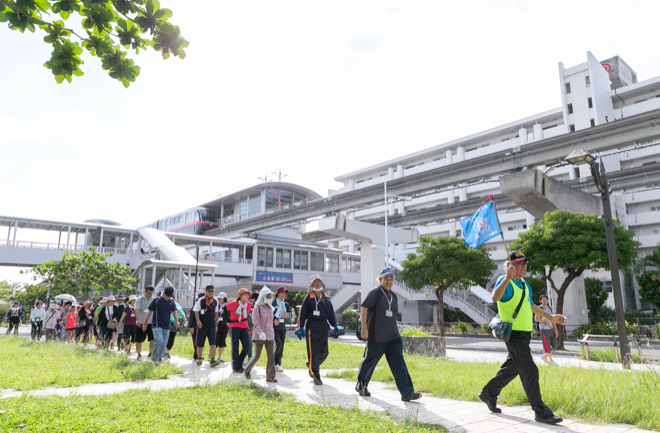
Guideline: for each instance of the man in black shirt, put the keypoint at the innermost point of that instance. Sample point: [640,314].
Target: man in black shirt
[378,315]
[206,318]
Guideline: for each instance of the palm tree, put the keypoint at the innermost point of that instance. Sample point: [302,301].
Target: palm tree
[650,260]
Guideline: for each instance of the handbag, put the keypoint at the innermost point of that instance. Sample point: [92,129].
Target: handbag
[502,329]
[112,324]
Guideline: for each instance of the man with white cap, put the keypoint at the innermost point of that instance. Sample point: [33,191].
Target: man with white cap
[316,315]
[108,319]
[378,316]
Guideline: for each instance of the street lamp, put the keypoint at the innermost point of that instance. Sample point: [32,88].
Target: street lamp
[579,157]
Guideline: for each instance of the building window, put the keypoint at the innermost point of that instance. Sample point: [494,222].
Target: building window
[332,262]
[265,257]
[570,108]
[572,128]
[316,261]
[568,88]
[300,260]
[587,81]
[655,208]
[591,103]
[243,209]
[512,228]
[283,258]
[593,122]
[576,172]
[254,206]
[656,231]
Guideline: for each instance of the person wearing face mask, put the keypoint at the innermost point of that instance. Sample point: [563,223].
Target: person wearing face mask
[206,318]
[263,334]
[223,326]
[238,323]
[316,315]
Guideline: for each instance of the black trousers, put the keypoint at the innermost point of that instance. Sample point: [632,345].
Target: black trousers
[317,349]
[393,351]
[280,338]
[242,336]
[170,340]
[519,362]
[35,332]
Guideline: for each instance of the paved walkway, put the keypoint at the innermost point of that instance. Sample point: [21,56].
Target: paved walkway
[458,416]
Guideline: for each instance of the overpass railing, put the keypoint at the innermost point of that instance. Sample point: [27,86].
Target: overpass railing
[64,247]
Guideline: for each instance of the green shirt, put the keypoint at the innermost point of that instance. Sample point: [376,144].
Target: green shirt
[525,320]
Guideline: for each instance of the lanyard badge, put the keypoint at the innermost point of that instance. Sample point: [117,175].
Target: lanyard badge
[388,312]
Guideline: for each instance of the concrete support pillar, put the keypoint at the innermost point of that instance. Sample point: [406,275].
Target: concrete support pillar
[86,239]
[522,135]
[390,173]
[450,197]
[13,242]
[371,262]
[8,234]
[180,283]
[463,194]
[401,207]
[460,154]
[452,229]
[68,238]
[153,276]
[101,240]
[435,313]
[538,132]
[390,208]
[448,157]
[351,246]
[351,184]
[392,248]
[399,171]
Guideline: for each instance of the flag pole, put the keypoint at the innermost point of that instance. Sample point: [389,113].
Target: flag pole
[492,199]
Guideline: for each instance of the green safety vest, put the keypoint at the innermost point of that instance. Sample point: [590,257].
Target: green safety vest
[524,321]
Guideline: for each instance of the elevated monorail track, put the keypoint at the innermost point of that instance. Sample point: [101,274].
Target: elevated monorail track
[621,133]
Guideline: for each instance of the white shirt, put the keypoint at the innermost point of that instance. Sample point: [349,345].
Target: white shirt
[142,307]
[37,313]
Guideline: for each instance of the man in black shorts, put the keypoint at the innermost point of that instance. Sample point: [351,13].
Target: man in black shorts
[13,318]
[141,310]
[206,316]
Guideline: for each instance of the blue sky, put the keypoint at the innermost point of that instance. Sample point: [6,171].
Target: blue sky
[316,89]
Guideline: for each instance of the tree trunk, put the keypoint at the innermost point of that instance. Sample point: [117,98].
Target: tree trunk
[559,306]
[439,294]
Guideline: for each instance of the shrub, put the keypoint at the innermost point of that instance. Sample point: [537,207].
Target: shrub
[464,327]
[353,325]
[413,332]
[347,316]
[486,328]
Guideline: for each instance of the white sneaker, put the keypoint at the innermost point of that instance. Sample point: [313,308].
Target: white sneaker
[278,368]
[544,359]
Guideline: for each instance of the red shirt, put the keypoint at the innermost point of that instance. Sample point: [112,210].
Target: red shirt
[240,320]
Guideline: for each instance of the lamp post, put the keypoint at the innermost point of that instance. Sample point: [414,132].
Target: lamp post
[580,157]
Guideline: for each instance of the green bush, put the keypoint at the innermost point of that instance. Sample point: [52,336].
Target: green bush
[353,325]
[347,316]
[413,332]
[452,315]
[464,327]
[640,317]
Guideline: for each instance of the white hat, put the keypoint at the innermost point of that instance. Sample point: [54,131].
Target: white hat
[265,291]
[222,295]
[313,278]
[104,300]
[132,298]
[110,298]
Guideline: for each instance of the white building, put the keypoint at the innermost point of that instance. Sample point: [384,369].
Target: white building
[593,93]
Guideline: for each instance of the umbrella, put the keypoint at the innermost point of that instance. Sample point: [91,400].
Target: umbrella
[3,302]
[63,298]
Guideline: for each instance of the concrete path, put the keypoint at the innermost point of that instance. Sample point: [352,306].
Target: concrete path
[458,416]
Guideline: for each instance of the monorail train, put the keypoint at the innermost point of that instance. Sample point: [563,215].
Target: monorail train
[195,220]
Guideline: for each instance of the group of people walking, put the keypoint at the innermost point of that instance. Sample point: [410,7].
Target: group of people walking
[258,319]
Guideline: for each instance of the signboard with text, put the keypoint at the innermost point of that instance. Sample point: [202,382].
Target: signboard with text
[274,277]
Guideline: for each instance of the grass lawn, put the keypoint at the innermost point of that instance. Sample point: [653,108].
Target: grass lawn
[295,354]
[31,365]
[211,408]
[592,394]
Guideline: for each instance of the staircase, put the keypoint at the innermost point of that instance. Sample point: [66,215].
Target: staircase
[345,297]
[462,300]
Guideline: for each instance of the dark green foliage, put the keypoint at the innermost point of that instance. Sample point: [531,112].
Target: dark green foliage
[80,273]
[137,24]
[294,299]
[453,315]
[444,262]
[596,297]
[572,243]
[649,287]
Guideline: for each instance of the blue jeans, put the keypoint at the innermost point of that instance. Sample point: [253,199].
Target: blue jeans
[393,351]
[160,340]
[239,335]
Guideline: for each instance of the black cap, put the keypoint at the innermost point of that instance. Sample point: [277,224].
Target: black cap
[169,291]
[210,288]
[517,256]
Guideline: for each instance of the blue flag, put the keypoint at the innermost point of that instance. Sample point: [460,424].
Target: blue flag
[48,294]
[480,226]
